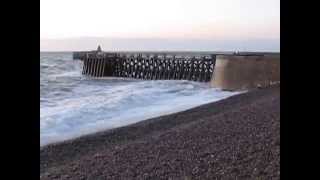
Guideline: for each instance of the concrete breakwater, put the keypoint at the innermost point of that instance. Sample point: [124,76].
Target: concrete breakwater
[232,71]
[240,72]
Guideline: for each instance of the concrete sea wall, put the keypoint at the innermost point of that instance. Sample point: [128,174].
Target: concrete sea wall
[232,71]
[241,72]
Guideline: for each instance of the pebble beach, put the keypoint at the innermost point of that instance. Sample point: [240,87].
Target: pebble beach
[234,138]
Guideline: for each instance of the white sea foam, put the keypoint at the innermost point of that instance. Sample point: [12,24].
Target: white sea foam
[72,106]
[96,108]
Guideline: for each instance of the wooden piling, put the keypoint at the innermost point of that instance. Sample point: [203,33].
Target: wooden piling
[148,67]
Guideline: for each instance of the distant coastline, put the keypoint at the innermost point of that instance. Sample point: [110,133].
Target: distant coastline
[174,52]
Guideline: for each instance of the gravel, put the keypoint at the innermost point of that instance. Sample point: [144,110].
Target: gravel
[235,138]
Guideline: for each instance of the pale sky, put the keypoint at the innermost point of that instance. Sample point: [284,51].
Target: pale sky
[200,20]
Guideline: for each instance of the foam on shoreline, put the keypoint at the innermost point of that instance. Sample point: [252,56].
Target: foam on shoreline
[96,108]
[244,128]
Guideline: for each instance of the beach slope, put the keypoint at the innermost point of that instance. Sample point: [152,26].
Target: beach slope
[235,138]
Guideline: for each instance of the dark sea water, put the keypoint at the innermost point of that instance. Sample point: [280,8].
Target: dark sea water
[72,105]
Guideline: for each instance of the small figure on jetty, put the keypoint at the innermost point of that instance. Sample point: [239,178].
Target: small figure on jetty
[99,49]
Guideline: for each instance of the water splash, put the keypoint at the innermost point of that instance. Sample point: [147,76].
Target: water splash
[72,105]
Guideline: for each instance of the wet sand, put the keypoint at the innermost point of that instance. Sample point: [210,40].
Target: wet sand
[235,138]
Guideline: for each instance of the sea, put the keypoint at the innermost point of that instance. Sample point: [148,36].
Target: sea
[73,105]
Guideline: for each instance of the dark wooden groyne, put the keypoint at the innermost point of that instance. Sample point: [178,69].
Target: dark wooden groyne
[149,66]
[225,70]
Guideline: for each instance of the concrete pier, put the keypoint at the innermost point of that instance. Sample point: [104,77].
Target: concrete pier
[230,71]
[236,72]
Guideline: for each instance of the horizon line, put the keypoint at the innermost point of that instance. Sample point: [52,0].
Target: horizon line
[269,51]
